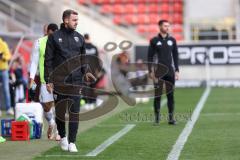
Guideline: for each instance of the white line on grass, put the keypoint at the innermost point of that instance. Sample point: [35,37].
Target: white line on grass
[102,146]
[115,137]
[110,140]
[182,139]
[60,155]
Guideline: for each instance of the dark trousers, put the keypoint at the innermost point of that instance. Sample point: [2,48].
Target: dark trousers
[90,95]
[72,105]
[169,81]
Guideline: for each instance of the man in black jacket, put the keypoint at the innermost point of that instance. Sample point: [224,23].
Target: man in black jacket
[63,46]
[164,47]
[94,64]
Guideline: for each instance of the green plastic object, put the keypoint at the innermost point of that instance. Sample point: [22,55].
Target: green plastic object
[2,139]
[82,102]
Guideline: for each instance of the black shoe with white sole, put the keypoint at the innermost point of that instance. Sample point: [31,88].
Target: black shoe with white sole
[172,122]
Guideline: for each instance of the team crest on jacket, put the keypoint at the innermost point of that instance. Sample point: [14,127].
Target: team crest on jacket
[55,96]
[60,40]
[159,43]
[76,39]
[169,42]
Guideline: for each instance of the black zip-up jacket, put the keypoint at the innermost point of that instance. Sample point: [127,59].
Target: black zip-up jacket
[61,46]
[166,52]
[92,50]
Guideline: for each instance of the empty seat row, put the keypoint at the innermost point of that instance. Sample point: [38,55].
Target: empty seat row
[153,28]
[140,8]
[132,19]
[143,14]
[132,1]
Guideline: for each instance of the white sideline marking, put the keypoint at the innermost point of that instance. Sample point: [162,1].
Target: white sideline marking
[102,146]
[110,140]
[59,155]
[182,139]
[115,137]
[130,126]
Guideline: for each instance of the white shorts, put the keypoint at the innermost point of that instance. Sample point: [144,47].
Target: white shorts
[45,96]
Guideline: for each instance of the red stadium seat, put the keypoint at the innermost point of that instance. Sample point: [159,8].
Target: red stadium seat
[151,35]
[164,8]
[130,19]
[153,8]
[164,16]
[154,1]
[106,1]
[177,7]
[117,1]
[177,18]
[154,18]
[164,1]
[153,28]
[141,8]
[177,29]
[130,8]
[142,28]
[118,9]
[129,1]
[82,1]
[123,1]
[178,37]
[143,19]
[118,20]
[106,8]
[97,1]
[142,1]
[177,1]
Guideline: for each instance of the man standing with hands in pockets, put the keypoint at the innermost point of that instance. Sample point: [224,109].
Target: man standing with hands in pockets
[164,47]
[63,45]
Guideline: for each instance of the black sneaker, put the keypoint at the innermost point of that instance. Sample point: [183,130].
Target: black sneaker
[172,122]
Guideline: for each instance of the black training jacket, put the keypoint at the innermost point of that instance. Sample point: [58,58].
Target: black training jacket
[166,52]
[91,50]
[61,46]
